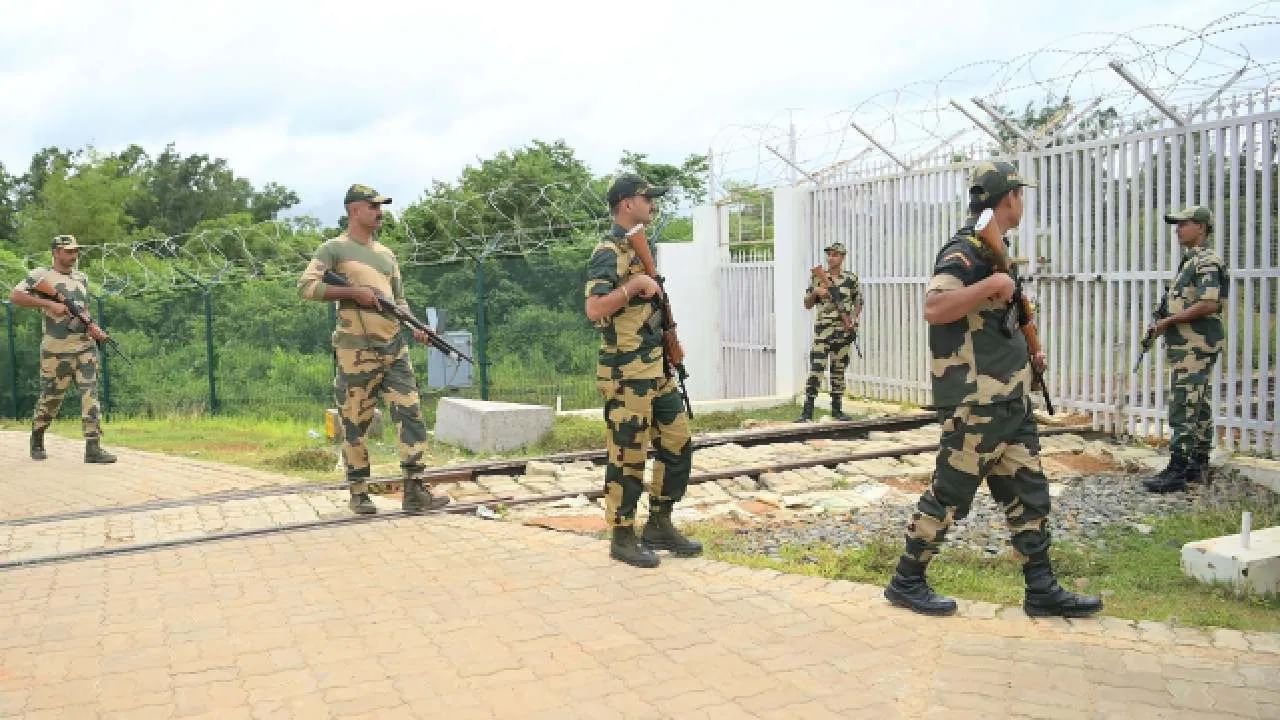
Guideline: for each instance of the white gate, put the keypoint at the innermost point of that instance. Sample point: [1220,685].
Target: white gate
[1102,256]
[747,347]
[1099,255]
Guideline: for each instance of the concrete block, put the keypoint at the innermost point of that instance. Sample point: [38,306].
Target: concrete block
[1255,569]
[1263,472]
[487,426]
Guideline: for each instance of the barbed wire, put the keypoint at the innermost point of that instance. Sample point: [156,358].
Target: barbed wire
[514,221]
[1181,65]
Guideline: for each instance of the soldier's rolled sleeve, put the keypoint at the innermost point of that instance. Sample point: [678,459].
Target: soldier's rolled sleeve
[28,283]
[311,285]
[602,273]
[942,282]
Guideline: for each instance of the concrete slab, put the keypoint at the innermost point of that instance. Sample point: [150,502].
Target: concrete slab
[1255,569]
[487,426]
[1263,472]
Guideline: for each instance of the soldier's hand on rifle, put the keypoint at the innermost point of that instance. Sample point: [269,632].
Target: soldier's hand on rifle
[56,309]
[365,297]
[421,336]
[97,333]
[821,292]
[643,286]
[1040,361]
[1001,287]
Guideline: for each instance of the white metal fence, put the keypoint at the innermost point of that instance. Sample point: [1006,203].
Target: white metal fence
[748,348]
[1099,257]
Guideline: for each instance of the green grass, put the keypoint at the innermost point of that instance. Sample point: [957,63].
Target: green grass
[285,445]
[1137,575]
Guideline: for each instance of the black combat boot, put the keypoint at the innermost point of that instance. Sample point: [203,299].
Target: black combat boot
[37,445]
[625,547]
[417,499]
[806,413]
[909,589]
[93,452]
[1171,479]
[837,413]
[660,534]
[360,502]
[1198,470]
[1046,598]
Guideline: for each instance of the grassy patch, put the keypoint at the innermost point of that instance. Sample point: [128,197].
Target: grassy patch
[298,448]
[1138,575]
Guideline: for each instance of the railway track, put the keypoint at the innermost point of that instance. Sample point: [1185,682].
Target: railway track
[76,524]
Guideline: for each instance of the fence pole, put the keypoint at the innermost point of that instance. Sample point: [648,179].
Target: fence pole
[13,355]
[482,334]
[106,368]
[210,358]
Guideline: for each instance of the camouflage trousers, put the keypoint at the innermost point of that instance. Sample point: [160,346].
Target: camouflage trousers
[998,443]
[57,372]
[365,377]
[636,413]
[828,340]
[1190,416]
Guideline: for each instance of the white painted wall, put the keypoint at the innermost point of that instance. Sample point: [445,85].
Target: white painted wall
[692,272]
[792,260]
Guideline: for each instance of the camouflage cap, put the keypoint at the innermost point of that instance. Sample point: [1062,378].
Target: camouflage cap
[992,179]
[629,185]
[1195,213]
[835,247]
[65,242]
[359,193]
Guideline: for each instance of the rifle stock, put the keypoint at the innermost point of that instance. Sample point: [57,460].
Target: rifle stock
[824,279]
[1021,305]
[387,307]
[672,351]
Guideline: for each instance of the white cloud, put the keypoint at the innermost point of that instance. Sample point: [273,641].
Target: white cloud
[316,95]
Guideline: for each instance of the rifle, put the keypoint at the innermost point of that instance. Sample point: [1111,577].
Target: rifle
[1149,338]
[824,280]
[1019,308]
[1161,312]
[386,307]
[672,352]
[45,289]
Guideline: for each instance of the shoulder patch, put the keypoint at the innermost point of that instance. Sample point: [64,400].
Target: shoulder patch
[962,257]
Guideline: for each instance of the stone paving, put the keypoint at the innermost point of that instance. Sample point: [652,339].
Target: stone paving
[451,617]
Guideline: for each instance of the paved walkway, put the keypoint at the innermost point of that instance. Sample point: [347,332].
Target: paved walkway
[448,617]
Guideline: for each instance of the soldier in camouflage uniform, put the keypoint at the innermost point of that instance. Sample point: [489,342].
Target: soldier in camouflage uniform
[829,335]
[641,403]
[371,351]
[68,350]
[1193,339]
[981,383]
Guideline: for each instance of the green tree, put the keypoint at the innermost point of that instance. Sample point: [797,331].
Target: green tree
[181,191]
[87,199]
[8,205]
[688,180]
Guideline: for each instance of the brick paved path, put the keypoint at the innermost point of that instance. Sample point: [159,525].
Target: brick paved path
[447,617]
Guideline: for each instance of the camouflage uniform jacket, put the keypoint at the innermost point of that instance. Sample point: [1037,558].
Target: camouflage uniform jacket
[850,297]
[976,360]
[631,339]
[1201,276]
[65,335]
[373,265]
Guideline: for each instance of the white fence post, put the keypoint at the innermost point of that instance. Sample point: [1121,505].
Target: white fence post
[791,262]
[692,272]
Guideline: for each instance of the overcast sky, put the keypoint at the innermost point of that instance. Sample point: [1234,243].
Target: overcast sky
[317,95]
